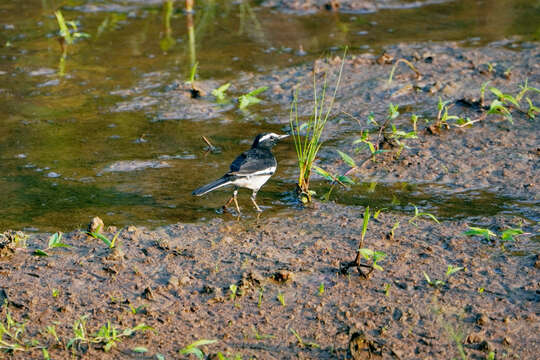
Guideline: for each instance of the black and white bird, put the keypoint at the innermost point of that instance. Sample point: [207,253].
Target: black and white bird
[250,170]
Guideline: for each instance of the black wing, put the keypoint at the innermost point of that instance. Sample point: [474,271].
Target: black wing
[252,161]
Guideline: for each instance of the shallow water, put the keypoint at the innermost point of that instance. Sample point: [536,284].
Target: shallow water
[65,122]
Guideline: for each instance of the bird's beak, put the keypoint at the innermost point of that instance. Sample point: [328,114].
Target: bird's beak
[283,136]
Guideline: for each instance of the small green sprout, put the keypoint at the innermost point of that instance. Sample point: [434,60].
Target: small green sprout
[414,121]
[377,213]
[476,231]
[65,33]
[418,214]
[321,289]
[251,97]
[140,350]
[135,310]
[55,292]
[97,235]
[233,289]
[301,343]
[108,334]
[533,110]
[387,289]
[281,298]
[508,234]
[374,256]
[394,228]
[55,241]
[436,283]
[452,270]
[193,348]
[219,93]
[193,73]
[260,336]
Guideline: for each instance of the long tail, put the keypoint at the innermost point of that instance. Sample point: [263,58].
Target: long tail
[212,186]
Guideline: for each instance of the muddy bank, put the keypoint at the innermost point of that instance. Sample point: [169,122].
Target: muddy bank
[354,6]
[179,278]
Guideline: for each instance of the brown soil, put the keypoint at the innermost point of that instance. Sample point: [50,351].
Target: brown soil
[181,276]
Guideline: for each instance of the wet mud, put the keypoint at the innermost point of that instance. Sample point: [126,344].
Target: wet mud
[354,6]
[179,278]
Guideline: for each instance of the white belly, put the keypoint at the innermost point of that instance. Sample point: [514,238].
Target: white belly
[253,182]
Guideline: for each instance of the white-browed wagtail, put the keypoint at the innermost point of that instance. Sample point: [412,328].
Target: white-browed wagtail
[250,170]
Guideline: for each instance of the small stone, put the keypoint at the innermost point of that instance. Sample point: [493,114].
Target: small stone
[184,280]
[283,275]
[96,225]
[474,338]
[148,294]
[482,319]
[173,282]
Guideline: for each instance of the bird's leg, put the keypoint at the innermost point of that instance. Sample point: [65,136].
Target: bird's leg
[236,201]
[253,196]
[228,203]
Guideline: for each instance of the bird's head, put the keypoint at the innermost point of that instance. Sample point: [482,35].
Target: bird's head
[267,140]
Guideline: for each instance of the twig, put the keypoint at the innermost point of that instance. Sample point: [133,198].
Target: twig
[212,147]
[395,66]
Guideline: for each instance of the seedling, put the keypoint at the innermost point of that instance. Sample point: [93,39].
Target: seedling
[97,235]
[301,343]
[259,336]
[378,212]
[373,256]
[442,114]
[233,289]
[281,299]
[476,231]
[140,350]
[417,214]
[483,92]
[321,289]
[449,272]
[193,348]
[387,289]
[65,33]
[15,239]
[308,147]
[394,228]
[343,180]
[12,334]
[220,356]
[533,110]
[219,93]
[452,270]
[414,121]
[436,283]
[108,334]
[55,293]
[508,235]
[55,241]
[251,98]
[136,310]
